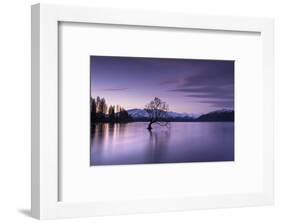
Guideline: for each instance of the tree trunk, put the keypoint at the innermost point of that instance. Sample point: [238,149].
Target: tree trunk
[149,127]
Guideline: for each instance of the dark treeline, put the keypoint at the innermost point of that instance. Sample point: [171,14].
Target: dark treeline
[102,113]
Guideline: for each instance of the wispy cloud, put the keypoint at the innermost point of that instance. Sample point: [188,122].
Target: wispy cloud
[212,84]
[220,103]
[115,89]
[171,81]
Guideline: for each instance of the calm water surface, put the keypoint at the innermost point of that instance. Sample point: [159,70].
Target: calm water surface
[132,143]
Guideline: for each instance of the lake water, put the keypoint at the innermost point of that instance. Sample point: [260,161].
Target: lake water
[132,143]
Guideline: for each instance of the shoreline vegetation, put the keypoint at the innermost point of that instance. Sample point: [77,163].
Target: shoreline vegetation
[103,113]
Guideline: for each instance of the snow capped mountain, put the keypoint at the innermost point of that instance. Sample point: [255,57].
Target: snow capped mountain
[177,115]
[141,113]
[138,113]
[194,116]
[218,115]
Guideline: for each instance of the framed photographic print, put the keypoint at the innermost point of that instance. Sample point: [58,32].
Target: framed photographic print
[152,110]
[139,111]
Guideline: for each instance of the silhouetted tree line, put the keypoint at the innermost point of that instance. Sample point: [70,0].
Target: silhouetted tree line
[101,112]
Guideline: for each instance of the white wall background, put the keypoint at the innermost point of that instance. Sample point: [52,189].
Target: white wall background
[15,108]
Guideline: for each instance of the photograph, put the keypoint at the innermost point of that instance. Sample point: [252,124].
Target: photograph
[146,110]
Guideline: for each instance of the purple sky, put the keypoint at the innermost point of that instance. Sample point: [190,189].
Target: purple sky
[187,85]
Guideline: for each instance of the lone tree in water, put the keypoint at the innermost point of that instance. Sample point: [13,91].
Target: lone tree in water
[158,112]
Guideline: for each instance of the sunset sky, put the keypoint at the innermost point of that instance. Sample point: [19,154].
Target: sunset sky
[187,85]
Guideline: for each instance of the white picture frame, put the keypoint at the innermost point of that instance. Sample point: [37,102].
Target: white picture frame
[45,202]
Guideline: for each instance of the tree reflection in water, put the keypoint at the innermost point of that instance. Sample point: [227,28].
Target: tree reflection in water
[131,143]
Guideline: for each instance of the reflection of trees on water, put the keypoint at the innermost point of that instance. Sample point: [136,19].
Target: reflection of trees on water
[104,133]
[106,137]
[158,144]
[97,138]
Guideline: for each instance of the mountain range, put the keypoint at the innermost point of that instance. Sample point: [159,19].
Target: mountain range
[223,115]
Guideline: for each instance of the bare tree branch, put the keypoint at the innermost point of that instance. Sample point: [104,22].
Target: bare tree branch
[158,112]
